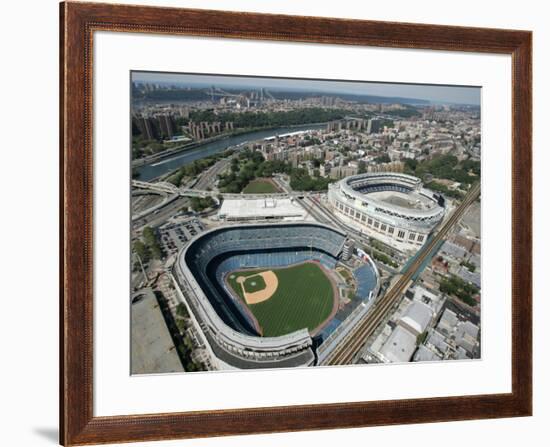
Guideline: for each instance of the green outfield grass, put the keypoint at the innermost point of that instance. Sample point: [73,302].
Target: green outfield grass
[303,299]
[260,186]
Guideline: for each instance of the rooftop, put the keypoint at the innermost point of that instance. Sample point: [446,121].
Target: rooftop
[423,354]
[417,317]
[152,348]
[400,346]
[261,208]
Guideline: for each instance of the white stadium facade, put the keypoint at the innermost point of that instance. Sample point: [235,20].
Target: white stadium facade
[392,207]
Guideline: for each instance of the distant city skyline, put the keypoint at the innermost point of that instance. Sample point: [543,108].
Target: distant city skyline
[438,94]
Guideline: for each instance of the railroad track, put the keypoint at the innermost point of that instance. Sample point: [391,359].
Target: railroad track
[358,336]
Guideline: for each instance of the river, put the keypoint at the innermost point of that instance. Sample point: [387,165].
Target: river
[157,168]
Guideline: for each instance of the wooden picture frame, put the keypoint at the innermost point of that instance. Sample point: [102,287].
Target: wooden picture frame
[78,23]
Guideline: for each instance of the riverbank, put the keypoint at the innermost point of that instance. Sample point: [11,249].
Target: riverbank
[150,159]
[168,153]
[160,167]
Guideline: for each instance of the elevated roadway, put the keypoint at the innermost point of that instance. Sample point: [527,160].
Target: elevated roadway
[169,188]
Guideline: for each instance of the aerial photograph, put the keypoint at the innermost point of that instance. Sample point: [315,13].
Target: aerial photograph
[284,222]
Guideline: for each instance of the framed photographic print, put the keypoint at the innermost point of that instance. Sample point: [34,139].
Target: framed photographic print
[275,223]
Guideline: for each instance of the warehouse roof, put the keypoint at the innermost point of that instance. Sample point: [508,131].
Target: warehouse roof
[400,346]
[417,317]
[261,208]
[152,346]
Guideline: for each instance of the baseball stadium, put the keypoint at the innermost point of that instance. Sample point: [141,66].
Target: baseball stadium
[389,206]
[268,295]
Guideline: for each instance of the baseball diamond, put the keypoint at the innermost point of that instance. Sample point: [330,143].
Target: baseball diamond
[255,287]
[305,297]
[253,284]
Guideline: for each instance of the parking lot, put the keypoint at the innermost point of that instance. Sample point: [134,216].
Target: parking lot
[174,236]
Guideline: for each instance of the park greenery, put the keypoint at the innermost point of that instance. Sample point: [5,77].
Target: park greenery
[463,290]
[251,165]
[300,180]
[383,159]
[174,94]
[384,259]
[141,250]
[148,247]
[201,203]
[142,147]
[386,123]
[193,169]
[407,112]
[270,119]
[246,167]
[260,186]
[447,167]
[381,253]
[383,248]
[438,187]
[377,245]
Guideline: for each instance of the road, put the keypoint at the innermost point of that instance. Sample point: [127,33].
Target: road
[162,214]
[208,178]
[313,206]
[352,343]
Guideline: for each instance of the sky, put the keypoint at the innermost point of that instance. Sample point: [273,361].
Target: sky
[433,93]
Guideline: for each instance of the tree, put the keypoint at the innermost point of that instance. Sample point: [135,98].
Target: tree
[199,204]
[150,239]
[459,288]
[383,159]
[181,311]
[141,250]
[434,186]
[269,118]
[149,236]
[471,267]
[300,180]
[156,252]
[421,338]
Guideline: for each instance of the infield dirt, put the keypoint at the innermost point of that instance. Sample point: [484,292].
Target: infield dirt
[270,281]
